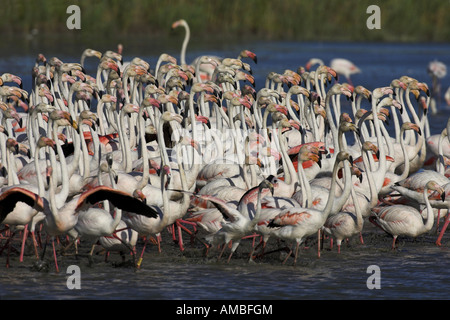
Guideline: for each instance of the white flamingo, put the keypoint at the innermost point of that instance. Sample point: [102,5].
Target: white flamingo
[402,220]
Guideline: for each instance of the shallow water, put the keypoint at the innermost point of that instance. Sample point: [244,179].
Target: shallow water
[417,270]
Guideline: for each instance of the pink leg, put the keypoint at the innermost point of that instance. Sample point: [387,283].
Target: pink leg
[158,242]
[54,254]
[138,265]
[223,249]
[24,239]
[287,257]
[180,238]
[393,243]
[33,236]
[447,220]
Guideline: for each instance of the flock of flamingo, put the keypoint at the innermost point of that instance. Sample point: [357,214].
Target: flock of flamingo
[136,153]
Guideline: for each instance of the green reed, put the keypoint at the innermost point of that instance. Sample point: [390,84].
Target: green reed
[297,20]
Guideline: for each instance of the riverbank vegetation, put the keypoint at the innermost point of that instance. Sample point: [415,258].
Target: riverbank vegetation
[296,20]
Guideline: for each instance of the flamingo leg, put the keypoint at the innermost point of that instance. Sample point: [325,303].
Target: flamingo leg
[24,239]
[287,257]
[158,242]
[128,246]
[296,253]
[193,224]
[35,244]
[261,242]
[180,237]
[441,234]
[138,265]
[233,249]
[393,242]
[54,254]
[223,249]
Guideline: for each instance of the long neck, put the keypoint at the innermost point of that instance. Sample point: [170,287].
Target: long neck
[184,183]
[100,117]
[340,201]
[40,181]
[144,151]
[118,213]
[405,172]
[192,116]
[185,44]
[358,212]
[412,110]
[12,171]
[440,164]
[430,215]
[305,185]
[332,196]
[258,209]
[86,166]
[31,133]
[126,151]
[289,107]
[96,144]
[162,144]
[61,197]
[373,190]
[98,79]
[246,165]
[290,173]
[381,171]
[333,129]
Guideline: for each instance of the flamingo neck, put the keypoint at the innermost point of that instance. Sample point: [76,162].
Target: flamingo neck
[430,215]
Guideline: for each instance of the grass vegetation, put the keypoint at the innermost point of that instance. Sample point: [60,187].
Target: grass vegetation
[296,20]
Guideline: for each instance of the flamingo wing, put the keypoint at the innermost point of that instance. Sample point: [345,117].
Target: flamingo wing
[119,199]
[9,199]
[290,217]
[227,211]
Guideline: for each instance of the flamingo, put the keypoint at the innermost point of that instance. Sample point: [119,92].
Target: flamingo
[344,67]
[402,220]
[298,223]
[89,53]
[239,225]
[436,70]
[99,224]
[391,177]
[345,224]
[9,200]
